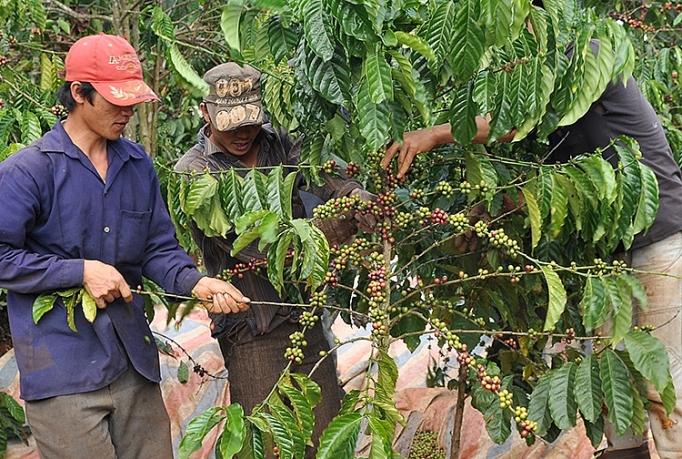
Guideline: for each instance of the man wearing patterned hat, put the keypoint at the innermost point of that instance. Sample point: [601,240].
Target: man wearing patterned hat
[82,208]
[253,343]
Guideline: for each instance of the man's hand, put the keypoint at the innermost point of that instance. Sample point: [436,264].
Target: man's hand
[104,283]
[414,143]
[226,298]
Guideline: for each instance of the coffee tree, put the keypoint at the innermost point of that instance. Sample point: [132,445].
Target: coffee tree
[505,258]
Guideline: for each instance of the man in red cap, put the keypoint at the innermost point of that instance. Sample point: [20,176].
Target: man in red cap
[82,208]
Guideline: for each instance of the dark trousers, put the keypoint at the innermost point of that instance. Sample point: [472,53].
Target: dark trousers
[254,364]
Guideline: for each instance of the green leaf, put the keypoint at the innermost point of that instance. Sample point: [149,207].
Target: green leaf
[293,431]
[317,31]
[538,407]
[281,39]
[231,194]
[416,43]
[47,73]
[648,200]
[162,25]
[557,297]
[234,432]
[302,408]
[382,438]
[282,436]
[309,388]
[194,83]
[464,110]
[468,41]
[43,304]
[593,303]
[668,397]
[373,119]
[639,417]
[617,390]
[649,357]
[534,216]
[200,193]
[230,24]
[559,204]
[438,31]
[562,404]
[30,128]
[197,429]
[602,176]
[340,437]
[378,73]
[89,306]
[183,372]
[588,393]
[254,194]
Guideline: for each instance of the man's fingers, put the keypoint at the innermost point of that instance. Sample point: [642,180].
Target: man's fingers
[125,292]
[390,153]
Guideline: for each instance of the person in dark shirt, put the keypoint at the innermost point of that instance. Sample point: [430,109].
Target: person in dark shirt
[620,110]
[253,343]
[82,207]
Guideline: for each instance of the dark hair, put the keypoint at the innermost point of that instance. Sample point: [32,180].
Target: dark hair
[66,99]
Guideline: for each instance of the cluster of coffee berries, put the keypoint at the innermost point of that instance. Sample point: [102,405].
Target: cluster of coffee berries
[334,207]
[439,217]
[489,383]
[481,228]
[425,446]
[2,104]
[376,289]
[600,266]
[442,332]
[318,300]
[459,222]
[295,354]
[352,169]
[500,240]
[423,214]
[440,280]
[402,220]
[329,166]
[254,265]
[351,252]
[644,328]
[379,319]
[570,335]
[58,110]
[331,279]
[528,428]
[308,319]
[511,342]
[3,60]
[445,189]
[513,271]
[634,23]
[506,398]
[201,371]
[619,266]
[417,193]
[275,451]
[464,358]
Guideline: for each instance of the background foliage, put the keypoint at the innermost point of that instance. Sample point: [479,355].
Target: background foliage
[505,292]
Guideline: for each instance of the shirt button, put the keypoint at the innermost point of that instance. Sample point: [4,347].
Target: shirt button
[106,229]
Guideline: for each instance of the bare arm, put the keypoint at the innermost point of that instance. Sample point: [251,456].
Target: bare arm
[423,140]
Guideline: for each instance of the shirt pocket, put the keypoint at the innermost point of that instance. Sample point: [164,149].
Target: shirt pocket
[133,236]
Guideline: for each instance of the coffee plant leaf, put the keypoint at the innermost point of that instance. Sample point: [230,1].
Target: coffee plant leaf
[562,404]
[588,392]
[617,390]
[340,437]
[198,428]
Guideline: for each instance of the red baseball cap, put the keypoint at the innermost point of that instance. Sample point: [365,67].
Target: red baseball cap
[111,65]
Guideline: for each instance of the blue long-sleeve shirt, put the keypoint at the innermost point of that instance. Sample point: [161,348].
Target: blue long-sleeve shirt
[56,211]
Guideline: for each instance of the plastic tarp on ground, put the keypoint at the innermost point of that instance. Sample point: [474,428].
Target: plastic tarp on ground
[424,409]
